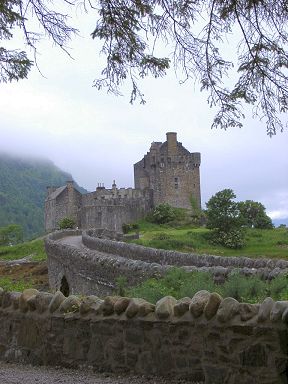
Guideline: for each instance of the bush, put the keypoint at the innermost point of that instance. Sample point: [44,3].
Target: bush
[126,228]
[162,214]
[233,239]
[244,289]
[179,283]
[67,223]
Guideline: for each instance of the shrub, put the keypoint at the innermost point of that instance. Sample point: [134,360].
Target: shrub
[278,288]
[67,223]
[233,239]
[126,228]
[162,214]
[121,285]
[244,289]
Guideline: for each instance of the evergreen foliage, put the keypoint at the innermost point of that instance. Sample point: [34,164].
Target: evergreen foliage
[143,38]
[199,37]
[227,217]
[253,215]
[67,223]
[12,234]
[23,188]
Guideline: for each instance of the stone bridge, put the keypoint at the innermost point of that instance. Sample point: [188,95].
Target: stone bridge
[90,262]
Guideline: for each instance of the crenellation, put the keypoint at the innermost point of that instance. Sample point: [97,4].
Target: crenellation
[168,173]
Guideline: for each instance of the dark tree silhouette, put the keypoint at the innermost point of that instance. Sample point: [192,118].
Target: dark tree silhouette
[198,33]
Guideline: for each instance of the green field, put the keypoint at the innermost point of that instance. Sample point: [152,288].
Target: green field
[34,248]
[270,243]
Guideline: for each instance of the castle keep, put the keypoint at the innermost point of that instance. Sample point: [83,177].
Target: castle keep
[168,173]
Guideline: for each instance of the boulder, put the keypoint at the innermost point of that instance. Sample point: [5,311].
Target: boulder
[212,305]
[107,307]
[277,310]
[133,307]
[228,308]
[70,304]
[26,295]
[248,311]
[121,305]
[265,309]
[165,307]
[90,304]
[42,301]
[198,302]
[145,308]
[182,306]
[56,301]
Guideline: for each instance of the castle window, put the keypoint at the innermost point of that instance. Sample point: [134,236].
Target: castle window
[176,182]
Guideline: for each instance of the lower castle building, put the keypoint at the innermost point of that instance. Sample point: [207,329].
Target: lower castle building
[168,173]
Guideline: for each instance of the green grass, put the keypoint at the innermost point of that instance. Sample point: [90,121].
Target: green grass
[179,283]
[270,243]
[9,284]
[34,248]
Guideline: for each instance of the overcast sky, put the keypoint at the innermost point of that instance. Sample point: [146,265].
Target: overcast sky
[98,137]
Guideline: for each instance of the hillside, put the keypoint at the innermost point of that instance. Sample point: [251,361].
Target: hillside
[23,183]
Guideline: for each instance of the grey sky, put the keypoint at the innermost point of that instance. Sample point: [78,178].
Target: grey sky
[97,137]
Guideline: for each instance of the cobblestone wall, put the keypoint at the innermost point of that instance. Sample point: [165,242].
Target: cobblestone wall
[205,339]
[95,267]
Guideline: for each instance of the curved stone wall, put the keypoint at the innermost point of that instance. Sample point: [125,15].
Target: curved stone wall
[89,271]
[202,339]
[95,267]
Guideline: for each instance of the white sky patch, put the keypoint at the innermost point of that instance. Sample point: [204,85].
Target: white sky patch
[98,137]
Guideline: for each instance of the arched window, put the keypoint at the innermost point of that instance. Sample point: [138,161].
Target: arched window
[64,287]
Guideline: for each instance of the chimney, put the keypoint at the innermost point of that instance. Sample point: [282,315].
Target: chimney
[172,143]
[69,184]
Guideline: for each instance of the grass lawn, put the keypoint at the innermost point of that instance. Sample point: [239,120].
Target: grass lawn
[34,248]
[270,243]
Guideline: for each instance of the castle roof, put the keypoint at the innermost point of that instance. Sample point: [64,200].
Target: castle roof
[57,192]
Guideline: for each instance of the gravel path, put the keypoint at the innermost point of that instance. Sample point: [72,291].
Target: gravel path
[27,374]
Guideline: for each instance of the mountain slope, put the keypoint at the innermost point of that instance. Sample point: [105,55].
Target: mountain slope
[23,184]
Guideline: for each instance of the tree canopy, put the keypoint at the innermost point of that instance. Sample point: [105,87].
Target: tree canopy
[17,14]
[199,37]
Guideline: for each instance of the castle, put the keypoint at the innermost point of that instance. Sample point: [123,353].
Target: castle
[168,173]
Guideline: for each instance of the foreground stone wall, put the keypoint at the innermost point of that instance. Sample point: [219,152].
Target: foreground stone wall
[204,339]
[95,267]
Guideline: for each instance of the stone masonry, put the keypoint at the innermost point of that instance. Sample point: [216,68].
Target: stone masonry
[168,173]
[204,339]
[92,266]
[172,172]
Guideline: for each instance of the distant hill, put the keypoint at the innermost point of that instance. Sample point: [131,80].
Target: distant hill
[278,222]
[23,185]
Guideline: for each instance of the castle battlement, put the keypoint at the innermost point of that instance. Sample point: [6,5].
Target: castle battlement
[168,173]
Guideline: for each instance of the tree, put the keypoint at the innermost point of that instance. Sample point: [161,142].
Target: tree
[67,223]
[253,215]
[11,234]
[222,212]
[163,213]
[136,35]
[198,32]
[223,217]
[15,64]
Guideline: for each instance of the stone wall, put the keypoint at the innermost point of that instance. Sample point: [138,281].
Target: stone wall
[172,172]
[87,271]
[204,339]
[95,267]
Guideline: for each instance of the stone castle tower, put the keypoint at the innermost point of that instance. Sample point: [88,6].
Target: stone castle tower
[168,173]
[172,172]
